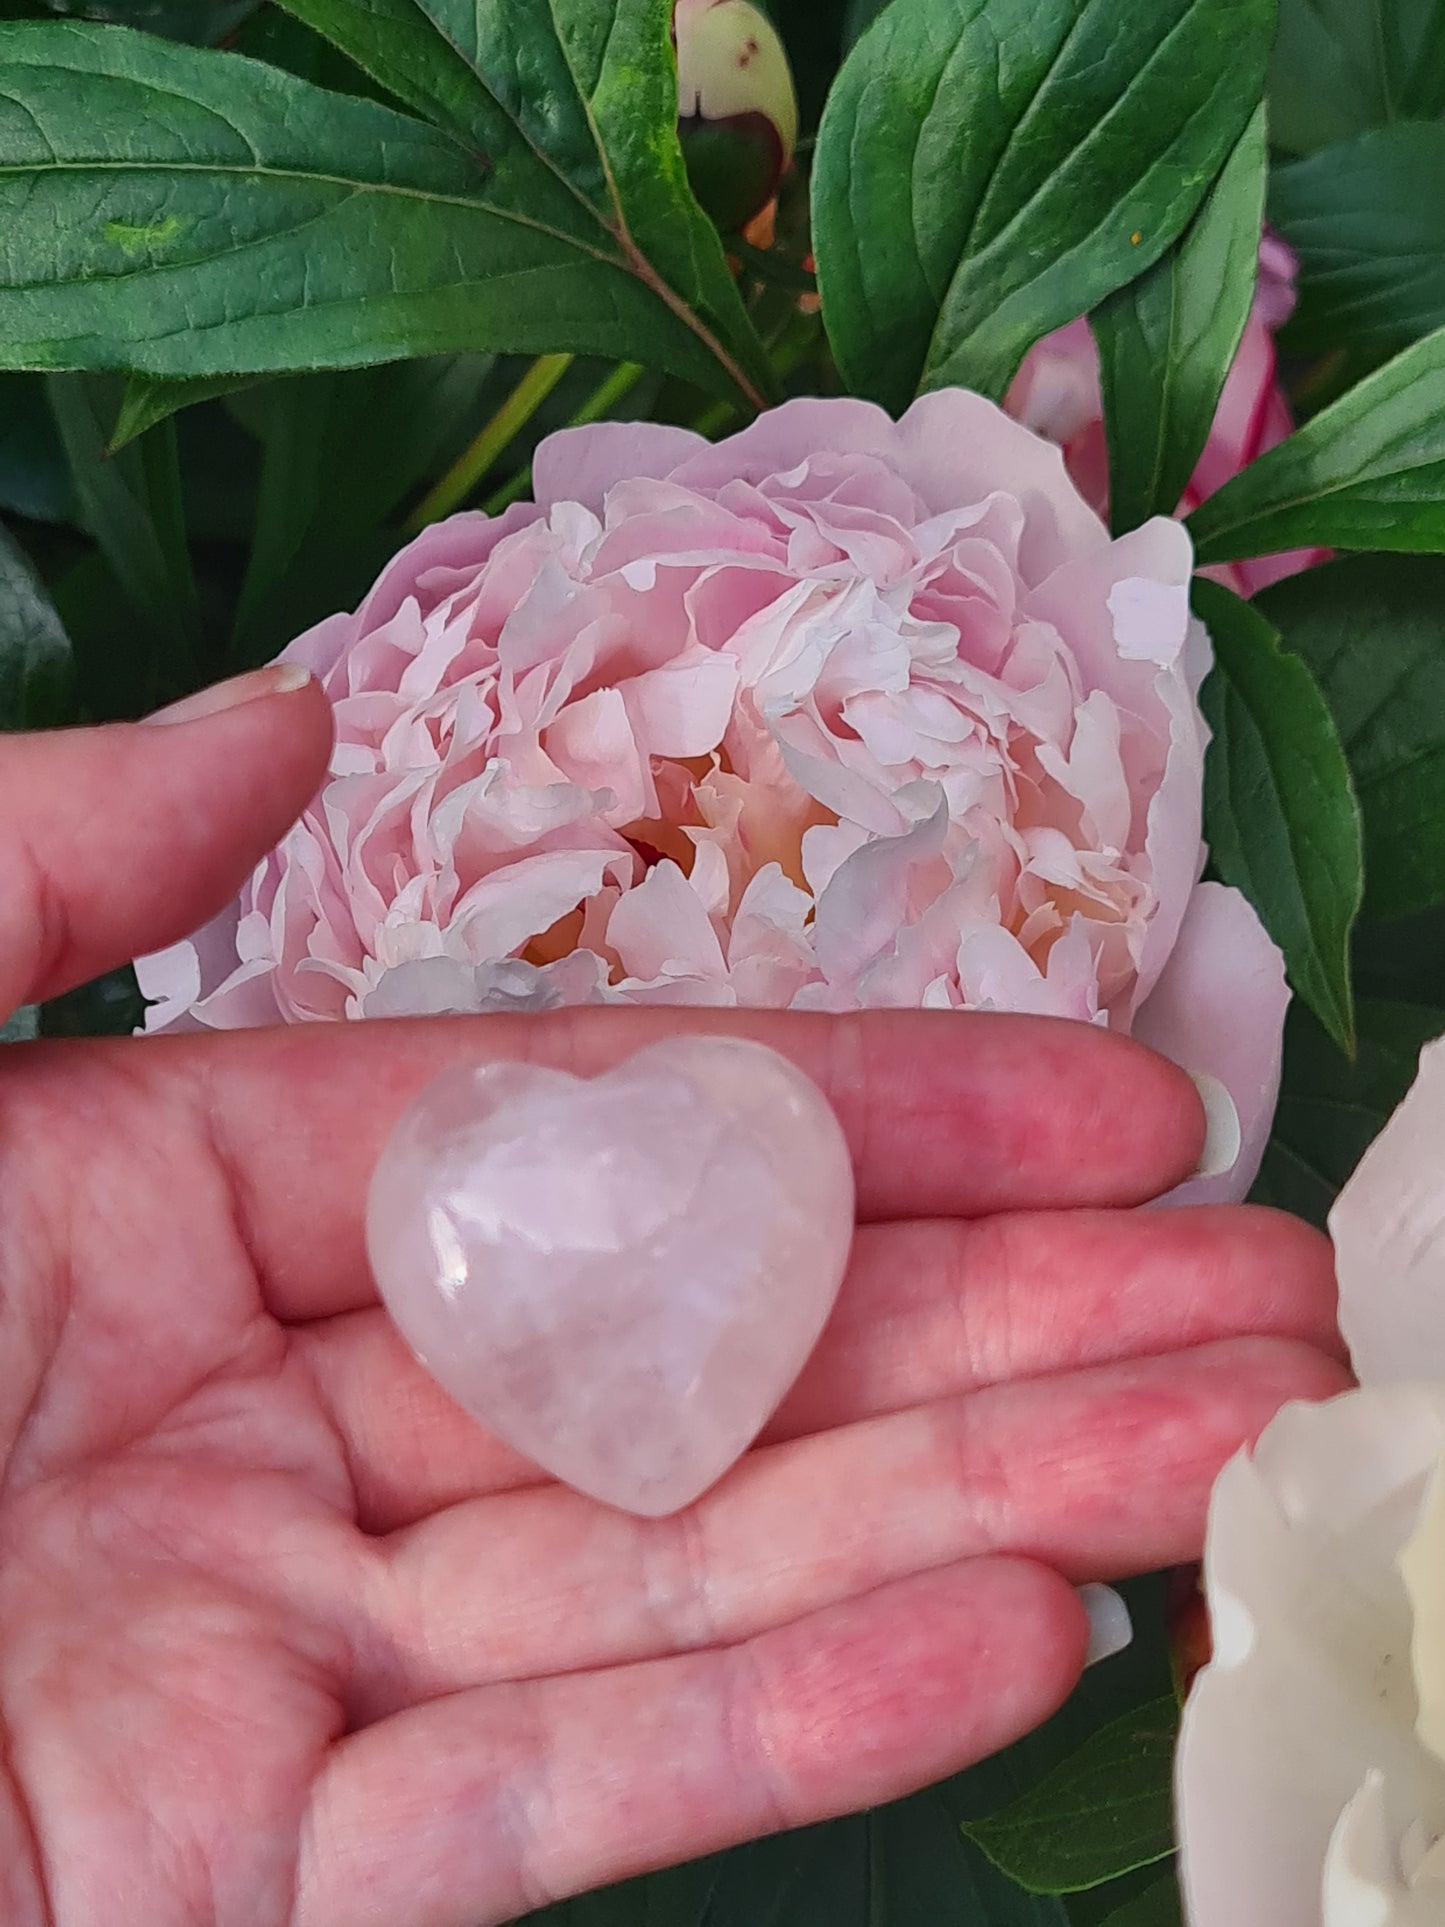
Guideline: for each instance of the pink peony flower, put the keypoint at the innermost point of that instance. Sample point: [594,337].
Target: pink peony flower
[839,713]
[1056,393]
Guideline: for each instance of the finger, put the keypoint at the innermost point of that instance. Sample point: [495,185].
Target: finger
[124,839]
[930,1308]
[1098,1475]
[935,1308]
[947,1113]
[487,1805]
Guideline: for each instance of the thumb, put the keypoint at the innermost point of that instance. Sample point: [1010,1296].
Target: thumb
[121,840]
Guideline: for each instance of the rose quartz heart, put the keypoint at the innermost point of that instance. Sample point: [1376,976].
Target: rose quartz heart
[620,1276]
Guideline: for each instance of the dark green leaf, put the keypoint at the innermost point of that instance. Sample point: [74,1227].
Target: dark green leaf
[813,36]
[1167,341]
[188,213]
[858,16]
[131,503]
[34,474]
[989,169]
[1102,1813]
[1368,472]
[1332,1109]
[1341,66]
[1402,960]
[109,1006]
[35,665]
[1372,629]
[341,453]
[1157,1906]
[905,1865]
[1279,812]
[198,21]
[117,676]
[573,106]
[1370,237]
[149,400]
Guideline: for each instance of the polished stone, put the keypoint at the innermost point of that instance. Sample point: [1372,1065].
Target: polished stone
[620,1276]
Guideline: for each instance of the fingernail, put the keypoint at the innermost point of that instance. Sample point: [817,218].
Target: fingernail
[1222,1135]
[276,679]
[1110,1627]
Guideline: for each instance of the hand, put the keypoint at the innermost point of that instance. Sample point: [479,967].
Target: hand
[286,1639]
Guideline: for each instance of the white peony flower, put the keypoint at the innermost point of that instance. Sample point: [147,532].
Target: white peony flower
[1311,1772]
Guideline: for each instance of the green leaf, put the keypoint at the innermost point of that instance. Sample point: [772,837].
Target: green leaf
[35,663]
[34,476]
[149,400]
[1168,340]
[574,108]
[1371,243]
[858,16]
[188,213]
[1402,960]
[1102,1813]
[1332,1109]
[1157,1906]
[194,20]
[989,169]
[1368,472]
[1341,66]
[1279,812]
[1372,630]
[131,504]
[341,453]
[905,1865]
[109,1006]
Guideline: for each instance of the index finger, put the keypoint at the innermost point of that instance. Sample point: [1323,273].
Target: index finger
[948,1114]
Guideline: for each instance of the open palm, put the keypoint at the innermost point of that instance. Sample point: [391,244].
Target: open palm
[286,1639]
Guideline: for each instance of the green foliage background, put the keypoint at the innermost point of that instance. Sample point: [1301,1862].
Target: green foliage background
[281,282]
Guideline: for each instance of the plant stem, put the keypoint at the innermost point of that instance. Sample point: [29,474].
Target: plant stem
[603,399]
[473,463]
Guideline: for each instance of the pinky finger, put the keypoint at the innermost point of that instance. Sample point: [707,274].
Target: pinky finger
[481,1806]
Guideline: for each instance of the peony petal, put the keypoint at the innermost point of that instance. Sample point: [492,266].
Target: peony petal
[170,981]
[1388,1225]
[582,464]
[1219,1007]
[1310,1685]
[661,928]
[1422,1567]
[683,708]
[1364,1879]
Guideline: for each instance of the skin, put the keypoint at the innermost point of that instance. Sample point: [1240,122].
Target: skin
[287,1641]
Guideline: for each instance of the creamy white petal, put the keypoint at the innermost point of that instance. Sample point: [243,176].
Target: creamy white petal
[1310,1687]
[1388,1225]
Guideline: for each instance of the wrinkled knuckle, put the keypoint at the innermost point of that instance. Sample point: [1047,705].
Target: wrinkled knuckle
[39,935]
[676,1570]
[753,1700]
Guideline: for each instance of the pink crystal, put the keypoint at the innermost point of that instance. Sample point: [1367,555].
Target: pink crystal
[620,1276]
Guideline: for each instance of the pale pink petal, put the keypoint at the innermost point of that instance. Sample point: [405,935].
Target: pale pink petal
[1219,1007]
[874,893]
[512,905]
[582,464]
[682,708]
[662,928]
[170,981]
[594,744]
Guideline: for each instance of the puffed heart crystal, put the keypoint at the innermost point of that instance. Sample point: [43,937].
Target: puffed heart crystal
[620,1275]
